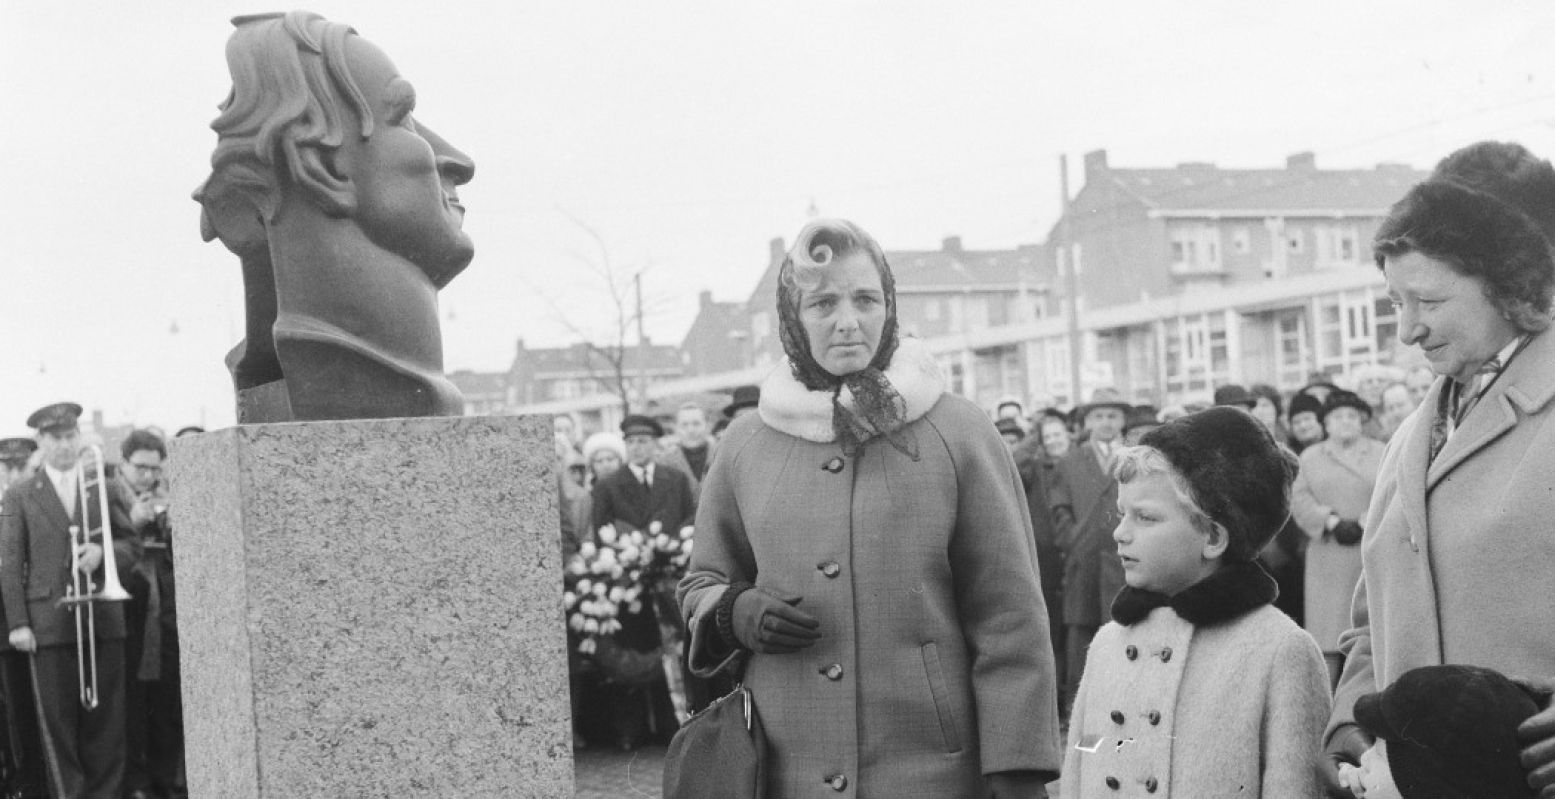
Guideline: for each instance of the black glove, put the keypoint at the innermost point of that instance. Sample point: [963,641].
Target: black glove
[1346,746]
[1348,532]
[766,621]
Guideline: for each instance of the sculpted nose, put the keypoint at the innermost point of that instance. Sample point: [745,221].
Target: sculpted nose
[452,163]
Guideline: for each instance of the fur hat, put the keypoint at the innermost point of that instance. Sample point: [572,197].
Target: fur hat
[1451,731]
[1508,172]
[1344,399]
[1234,394]
[1240,477]
[1305,403]
[603,441]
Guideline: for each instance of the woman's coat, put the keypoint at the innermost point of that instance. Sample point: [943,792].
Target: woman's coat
[1456,561]
[934,666]
[1337,481]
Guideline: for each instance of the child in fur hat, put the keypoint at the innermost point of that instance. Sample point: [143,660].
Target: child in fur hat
[1199,687]
[1442,732]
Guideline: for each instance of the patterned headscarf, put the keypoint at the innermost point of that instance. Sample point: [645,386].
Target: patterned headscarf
[878,408]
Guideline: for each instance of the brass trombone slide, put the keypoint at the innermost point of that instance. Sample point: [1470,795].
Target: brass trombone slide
[81,593]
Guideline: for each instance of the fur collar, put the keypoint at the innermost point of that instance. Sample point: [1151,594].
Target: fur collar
[1234,590]
[786,405]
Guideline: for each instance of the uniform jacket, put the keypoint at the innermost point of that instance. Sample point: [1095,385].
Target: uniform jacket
[674,456]
[1084,499]
[934,666]
[1329,482]
[35,562]
[621,498]
[1201,698]
[1456,557]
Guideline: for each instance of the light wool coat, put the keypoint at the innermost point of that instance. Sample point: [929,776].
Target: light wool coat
[1457,557]
[1337,481]
[1234,709]
[934,665]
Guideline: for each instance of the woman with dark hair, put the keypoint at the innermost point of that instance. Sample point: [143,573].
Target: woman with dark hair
[864,549]
[1457,546]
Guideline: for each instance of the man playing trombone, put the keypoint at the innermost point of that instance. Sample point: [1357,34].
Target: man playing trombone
[51,554]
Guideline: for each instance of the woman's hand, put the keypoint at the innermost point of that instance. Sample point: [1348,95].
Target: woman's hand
[766,621]
[1017,785]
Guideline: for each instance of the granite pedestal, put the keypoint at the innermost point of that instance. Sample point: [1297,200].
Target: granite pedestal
[372,608]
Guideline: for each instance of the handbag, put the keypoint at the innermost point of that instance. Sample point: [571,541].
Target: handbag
[720,753]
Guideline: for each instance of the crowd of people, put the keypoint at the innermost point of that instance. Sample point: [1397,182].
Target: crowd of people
[91,689]
[1320,593]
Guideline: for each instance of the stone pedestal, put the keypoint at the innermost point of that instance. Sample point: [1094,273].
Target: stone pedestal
[372,608]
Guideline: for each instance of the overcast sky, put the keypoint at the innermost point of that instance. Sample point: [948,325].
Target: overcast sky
[687,135]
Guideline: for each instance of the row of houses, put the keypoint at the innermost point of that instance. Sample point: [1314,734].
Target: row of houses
[1184,278]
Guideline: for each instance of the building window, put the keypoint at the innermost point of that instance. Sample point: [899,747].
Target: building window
[1336,245]
[1295,242]
[1195,248]
[1242,241]
[1347,334]
[931,310]
[1291,349]
[1197,356]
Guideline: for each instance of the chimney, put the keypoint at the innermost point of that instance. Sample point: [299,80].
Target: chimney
[1305,161]
[704,299]
[520,344]
[1095,164]
[951,244]
[778,250]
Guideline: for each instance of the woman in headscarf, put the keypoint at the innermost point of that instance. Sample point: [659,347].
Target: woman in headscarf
[863,544]
[1457,550]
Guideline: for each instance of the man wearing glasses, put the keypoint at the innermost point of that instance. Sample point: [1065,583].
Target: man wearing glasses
[154,766]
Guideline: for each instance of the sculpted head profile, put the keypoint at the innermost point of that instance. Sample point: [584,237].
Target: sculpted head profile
[344,210]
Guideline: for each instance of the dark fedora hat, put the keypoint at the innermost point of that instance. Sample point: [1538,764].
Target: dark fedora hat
[744,397]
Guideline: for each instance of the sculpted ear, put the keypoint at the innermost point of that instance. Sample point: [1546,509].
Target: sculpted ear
[313,170]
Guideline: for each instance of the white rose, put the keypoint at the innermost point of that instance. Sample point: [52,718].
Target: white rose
[607,534]
[686,532]
[616,594]
[587,549]
[654,527]
[590,626]
[575,621]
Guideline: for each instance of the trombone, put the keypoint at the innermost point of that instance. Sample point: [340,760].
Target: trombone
[81,593]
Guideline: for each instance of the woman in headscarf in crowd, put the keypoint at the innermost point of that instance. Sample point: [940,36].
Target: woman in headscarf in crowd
[863,545]
[1329,502]
[1269,409]
[1457,550]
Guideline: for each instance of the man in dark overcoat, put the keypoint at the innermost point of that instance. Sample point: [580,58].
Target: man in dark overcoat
[1084,501]
[23,759]
[84,748]
[635,496]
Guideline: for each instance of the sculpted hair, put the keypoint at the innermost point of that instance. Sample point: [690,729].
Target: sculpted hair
[819,246]
[290,88]
[1139,462]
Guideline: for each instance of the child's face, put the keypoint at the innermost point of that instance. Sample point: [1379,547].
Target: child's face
[1376,778]
[1160,547]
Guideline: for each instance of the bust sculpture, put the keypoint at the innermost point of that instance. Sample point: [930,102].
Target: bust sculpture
[344,212]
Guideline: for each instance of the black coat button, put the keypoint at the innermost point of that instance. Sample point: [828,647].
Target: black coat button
[1117,717]
[1154,717]
[1131,652]
[834,465]
[838,782]
[1112,782]
[833,672]
[1166,654]
[829,568]
[1151,785]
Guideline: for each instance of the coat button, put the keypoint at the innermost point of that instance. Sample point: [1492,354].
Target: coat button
[838,782]
[829,568]
[834,465]
[1154,717]
[1112,782]
[1151,785]
[1117,717]
[1166,654]
[833,672]
[1132,652]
